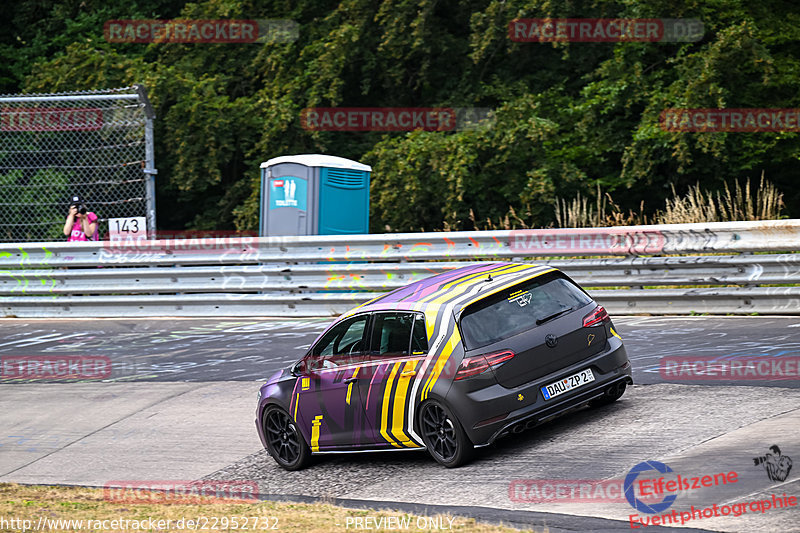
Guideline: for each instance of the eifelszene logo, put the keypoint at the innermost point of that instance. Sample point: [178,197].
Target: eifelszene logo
[636,503]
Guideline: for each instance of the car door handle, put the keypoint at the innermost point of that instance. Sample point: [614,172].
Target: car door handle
[408,373]
[351,380]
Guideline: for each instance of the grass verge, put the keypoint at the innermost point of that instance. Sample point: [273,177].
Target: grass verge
[46,508]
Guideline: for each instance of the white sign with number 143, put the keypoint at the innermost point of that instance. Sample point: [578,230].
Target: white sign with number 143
[123,229]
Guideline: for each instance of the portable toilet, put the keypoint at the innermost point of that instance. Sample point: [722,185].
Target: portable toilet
[314,194]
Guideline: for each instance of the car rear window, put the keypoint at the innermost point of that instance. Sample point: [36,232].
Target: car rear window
[517,309]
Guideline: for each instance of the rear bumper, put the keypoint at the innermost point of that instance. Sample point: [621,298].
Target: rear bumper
[494,411]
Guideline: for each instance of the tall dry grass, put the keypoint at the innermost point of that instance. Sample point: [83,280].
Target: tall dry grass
[579,213]
[737,202]
[767,202]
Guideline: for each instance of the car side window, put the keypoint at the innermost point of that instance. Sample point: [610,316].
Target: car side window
[394,334]
[340,344]
[419,336]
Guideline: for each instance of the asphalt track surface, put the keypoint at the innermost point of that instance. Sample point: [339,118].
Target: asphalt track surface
[179,403]
[205,350]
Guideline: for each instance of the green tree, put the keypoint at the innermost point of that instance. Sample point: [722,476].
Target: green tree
[568,116]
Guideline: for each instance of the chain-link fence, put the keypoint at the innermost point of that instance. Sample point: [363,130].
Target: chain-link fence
[96,144]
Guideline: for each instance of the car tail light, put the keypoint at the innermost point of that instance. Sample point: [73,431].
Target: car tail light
[495,359]
[472,366]
[597,316]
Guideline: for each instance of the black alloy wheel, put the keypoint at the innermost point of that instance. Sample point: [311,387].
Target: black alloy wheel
[284,441]
[444,437]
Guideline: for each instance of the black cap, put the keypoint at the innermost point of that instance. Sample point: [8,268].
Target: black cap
[76,199]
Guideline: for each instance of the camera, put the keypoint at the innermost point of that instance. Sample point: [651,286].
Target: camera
[77,201]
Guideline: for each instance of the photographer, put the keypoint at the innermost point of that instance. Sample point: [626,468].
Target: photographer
[81,225]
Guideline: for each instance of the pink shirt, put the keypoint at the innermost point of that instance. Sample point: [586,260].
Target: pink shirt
[77,229]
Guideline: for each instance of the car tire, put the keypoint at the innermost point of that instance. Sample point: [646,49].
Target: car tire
[444,437]
[285,443]
[610,396]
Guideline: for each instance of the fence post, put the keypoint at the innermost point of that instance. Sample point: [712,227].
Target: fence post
[150,165]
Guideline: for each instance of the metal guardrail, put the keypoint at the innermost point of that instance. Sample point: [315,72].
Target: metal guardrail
[719,237]
[326,275]
[744,270]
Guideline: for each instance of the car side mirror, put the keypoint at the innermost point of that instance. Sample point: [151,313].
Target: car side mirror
[300,367]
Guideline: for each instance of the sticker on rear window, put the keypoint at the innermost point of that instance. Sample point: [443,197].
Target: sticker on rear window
[521,298]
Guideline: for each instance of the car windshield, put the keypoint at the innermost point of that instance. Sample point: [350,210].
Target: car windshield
[519,308]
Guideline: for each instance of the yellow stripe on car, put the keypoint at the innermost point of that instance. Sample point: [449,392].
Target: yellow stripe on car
[315,424]
[400,398]
[350,387]
[459,286]
[455,338]
[387,399]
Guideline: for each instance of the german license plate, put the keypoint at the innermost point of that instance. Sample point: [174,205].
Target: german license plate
[567,384]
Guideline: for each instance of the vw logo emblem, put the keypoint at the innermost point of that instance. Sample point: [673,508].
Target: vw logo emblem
[551,340]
